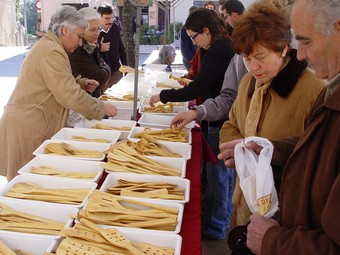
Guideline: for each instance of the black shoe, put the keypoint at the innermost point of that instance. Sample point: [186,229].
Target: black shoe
[237,240]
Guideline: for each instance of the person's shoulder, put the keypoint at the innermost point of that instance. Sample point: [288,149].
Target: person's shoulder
[79,52]
[308,79]
[115,26]
[223,42]
[47,44]
[223,46]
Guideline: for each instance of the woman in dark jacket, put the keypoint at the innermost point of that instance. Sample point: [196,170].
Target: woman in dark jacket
[209,33]
[85,60]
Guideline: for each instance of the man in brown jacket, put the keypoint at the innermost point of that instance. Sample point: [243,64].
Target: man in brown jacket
[310,192]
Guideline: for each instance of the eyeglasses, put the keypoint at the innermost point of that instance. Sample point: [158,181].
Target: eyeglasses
[194,37]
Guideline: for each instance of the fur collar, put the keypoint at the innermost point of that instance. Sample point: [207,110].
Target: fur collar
[286,80]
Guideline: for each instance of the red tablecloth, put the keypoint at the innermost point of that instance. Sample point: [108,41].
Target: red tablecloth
[191,225]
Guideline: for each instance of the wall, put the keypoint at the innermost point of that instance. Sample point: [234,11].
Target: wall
[182,9]
[48,7]
[7,23]
[179,12]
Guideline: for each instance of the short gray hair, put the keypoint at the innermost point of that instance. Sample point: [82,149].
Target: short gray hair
[89,13]
[165,52]
[66,16]
[325,13]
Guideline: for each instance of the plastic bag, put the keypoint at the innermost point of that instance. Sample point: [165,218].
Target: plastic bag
[256,177]
[73,118]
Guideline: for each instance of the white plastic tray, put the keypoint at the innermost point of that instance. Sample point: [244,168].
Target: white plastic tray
[101,147]
[153,237]
[177,163]
[33,244]
[50,211]
[126,86]
[136,130]
[145,101]
[184,149]
[85,123]
[123,107]
[178,206]
[175,109]
[165,240]
[89,133]
[64,164]
[50,183]
[159,121]
[112,180]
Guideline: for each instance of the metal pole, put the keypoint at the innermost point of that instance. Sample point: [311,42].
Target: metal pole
[25,22]
[166,20]
[174,23]
[138,24]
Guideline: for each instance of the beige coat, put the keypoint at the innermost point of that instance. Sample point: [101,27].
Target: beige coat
[39,105]
[281,116]
[286,107]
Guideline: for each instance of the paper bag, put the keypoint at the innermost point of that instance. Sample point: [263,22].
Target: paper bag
[256,177]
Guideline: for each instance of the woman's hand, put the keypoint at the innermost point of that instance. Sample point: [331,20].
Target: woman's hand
[109,109]
[256,229]
[154,99]
[181,82]
[91,85]
[183,118]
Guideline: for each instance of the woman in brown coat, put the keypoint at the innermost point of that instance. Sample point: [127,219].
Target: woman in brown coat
[86,60]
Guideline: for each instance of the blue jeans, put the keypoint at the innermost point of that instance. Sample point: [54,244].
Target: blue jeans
[218,204]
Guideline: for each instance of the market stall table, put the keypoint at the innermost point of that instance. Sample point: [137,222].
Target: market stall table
[191,224]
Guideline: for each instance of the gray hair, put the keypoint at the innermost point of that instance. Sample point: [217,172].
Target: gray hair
[66,16]
[165,52]
[326,14]
[89,13]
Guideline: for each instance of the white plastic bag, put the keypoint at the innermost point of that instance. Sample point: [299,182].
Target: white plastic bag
[73,118]
[256,177]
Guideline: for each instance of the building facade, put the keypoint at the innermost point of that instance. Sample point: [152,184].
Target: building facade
[153,15]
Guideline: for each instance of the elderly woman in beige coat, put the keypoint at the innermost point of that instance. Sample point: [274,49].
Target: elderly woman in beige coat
[44,93]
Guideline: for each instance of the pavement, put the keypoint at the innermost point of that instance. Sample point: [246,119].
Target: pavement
[12,57]
[10,62]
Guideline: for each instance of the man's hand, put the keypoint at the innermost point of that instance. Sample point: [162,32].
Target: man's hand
[104,46]
[183,118]
[227,151]
[256,229]
[110,109]
[91,85]
[154,99]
